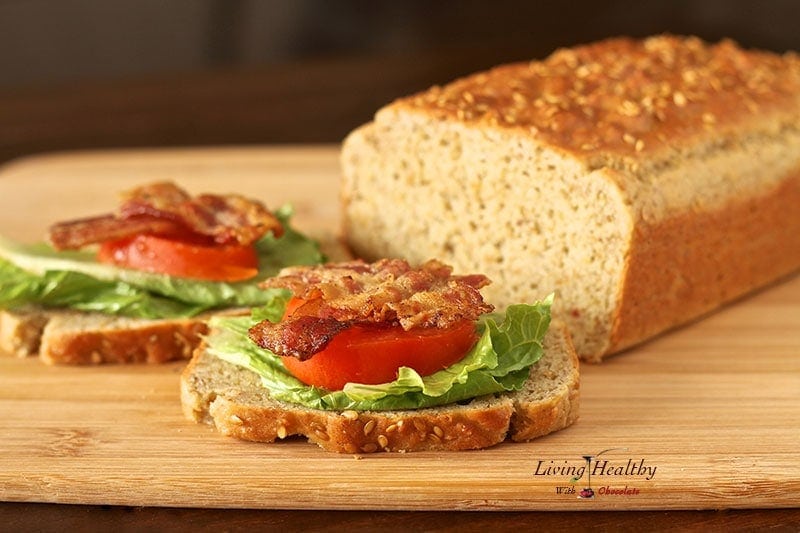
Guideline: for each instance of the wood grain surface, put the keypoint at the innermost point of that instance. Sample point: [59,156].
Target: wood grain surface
[705,417]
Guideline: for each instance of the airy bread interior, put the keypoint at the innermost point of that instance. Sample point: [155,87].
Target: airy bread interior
[490,202]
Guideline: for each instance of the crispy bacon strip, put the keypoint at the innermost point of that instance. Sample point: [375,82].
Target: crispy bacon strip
[78,233]
[386,292]
[299,337]
[164,209]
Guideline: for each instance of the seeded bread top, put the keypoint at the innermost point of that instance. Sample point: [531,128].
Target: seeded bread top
[622,101]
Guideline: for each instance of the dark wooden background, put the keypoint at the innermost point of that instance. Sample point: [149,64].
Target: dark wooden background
[83,74]
[97,73]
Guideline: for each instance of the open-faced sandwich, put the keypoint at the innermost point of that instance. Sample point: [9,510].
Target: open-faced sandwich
[137,285]
[363,357]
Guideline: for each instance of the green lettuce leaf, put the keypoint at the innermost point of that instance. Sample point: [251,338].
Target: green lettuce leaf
[38,274]
[499,362]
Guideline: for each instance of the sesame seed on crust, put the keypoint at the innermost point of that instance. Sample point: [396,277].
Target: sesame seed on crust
[599,96]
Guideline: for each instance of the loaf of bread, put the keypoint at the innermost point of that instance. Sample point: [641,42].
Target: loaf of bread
[234,400]
[646,181]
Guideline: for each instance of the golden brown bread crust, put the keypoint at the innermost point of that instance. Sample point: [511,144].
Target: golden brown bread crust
[713,257]
[626,97]
[234,401]
[82,338]
[352,432]
[135,341]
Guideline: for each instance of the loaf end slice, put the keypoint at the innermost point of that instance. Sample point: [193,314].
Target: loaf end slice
[233,400]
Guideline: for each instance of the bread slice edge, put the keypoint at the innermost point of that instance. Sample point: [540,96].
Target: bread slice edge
[84,338]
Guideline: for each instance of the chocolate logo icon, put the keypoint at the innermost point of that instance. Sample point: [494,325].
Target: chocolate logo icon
[587,492]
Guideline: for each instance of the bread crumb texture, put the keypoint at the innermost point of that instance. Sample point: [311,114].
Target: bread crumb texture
[570,174]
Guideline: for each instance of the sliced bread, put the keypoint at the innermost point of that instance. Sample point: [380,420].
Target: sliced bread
[74,337]
[233,399]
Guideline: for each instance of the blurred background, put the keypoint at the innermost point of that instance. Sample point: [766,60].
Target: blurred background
[78,74]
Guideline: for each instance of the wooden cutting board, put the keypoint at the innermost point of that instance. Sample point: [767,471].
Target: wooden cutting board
[705,417]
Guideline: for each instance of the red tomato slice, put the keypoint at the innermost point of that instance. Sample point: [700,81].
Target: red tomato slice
[179,258]
[372,355]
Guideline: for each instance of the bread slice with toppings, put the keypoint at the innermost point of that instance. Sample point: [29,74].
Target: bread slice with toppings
[233,399]
[73,337]
[81,338]
[138,283]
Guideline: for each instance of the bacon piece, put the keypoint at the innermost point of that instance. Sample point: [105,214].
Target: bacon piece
[77,233]
[386,292]
[225,218]
[164,209]
[299,337]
